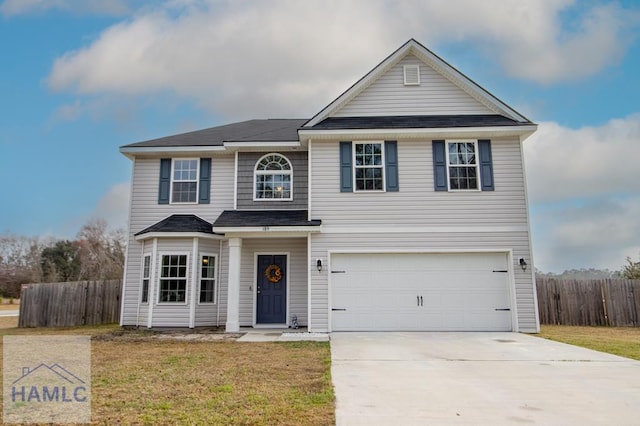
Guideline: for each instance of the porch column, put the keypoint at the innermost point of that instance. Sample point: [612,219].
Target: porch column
[233,291]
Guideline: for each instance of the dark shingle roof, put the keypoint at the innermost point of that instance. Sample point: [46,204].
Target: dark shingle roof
[273,130]
[237,218]
[415,122]
[180,223]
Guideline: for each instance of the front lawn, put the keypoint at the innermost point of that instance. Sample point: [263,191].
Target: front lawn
[623,341]
[137,379]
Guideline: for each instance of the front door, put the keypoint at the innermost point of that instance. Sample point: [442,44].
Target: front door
[272,289]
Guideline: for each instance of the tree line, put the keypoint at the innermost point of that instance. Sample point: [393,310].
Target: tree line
[96,253]
[630,271]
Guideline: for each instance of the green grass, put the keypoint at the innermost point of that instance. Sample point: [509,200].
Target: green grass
[140,380]
[622,341]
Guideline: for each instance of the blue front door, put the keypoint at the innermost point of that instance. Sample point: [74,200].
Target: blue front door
[272,289]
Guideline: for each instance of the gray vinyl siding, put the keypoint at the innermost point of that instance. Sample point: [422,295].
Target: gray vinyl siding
[417,205]
[297,275]
[246,166]
[434,96]
[145,211]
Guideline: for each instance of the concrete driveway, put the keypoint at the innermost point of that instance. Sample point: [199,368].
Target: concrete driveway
[479,379]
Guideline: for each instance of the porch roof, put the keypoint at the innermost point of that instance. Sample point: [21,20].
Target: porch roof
[179,223]
[264,218]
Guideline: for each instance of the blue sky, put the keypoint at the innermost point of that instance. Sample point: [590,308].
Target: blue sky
[79,78]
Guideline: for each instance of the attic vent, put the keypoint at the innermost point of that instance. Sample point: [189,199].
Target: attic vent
[412,75]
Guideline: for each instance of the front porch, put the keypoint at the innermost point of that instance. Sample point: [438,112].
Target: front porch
[268,267]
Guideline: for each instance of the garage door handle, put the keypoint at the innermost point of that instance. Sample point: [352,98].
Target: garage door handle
[503,309]
[500,270]
[338,309]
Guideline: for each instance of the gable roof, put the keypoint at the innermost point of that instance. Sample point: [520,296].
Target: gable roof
[434,61]
[270,130]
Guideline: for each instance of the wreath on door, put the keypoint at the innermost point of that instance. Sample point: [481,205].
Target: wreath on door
[273,273]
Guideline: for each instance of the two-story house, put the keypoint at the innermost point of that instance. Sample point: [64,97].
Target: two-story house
[401,205]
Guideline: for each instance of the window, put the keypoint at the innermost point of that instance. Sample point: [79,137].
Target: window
[462,165]
[184,181]
[273,178]
[369,169]
[208,279]
[145,279]
[173,279]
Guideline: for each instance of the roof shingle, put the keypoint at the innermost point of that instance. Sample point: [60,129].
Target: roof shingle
[180,223]
[246,218]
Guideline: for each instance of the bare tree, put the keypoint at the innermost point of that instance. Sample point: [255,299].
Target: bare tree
[101,251]
[19,263]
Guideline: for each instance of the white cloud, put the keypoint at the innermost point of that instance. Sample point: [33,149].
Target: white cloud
[584,194]
[591,161]
[69,112]
[290,58]
[598,234]
[94,7]
[114,206]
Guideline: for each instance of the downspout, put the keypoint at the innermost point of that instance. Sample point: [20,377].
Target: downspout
[309,261]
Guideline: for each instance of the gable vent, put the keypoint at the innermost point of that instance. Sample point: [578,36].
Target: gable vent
[412,75]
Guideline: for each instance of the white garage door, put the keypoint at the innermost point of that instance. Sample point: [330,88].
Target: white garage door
[428,292]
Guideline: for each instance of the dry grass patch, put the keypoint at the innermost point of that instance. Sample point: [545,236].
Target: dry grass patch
[8,307]
[623,341]
[8,322]
[140,380]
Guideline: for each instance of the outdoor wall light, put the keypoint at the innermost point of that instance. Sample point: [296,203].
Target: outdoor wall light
[523,264]
[319,265]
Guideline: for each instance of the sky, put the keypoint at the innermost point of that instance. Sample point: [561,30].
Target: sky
[80,78]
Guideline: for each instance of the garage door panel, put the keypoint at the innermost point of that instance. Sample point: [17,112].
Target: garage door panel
[420,292]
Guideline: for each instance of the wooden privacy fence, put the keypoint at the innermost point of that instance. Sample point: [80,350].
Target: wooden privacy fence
[612,302]
[70,304]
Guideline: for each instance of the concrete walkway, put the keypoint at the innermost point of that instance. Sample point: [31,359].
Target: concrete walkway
[280,335]
[479,379]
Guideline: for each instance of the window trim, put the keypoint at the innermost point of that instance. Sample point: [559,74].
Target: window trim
[477,165]
[147,278]
[273,172]
[197,180]
[161,255]
[383,166]
[214,279]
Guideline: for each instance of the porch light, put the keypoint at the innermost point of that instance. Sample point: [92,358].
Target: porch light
[319,265]
[523,264]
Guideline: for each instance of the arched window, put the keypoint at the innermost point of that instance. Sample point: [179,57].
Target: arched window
[273,176]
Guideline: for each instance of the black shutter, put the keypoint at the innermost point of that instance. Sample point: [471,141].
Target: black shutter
[165,181]
[439,166]
[486,164]
[391,165]
[205,181]
[346,168]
